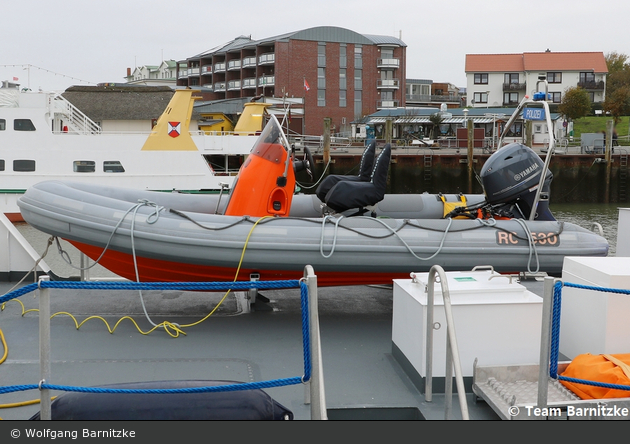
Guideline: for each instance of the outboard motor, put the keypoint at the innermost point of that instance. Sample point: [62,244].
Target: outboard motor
[510,178]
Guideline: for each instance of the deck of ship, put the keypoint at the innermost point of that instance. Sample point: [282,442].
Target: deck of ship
[362,379]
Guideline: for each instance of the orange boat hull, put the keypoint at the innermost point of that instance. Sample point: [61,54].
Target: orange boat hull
[155,270]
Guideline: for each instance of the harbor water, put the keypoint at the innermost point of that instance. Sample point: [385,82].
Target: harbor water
[587,214]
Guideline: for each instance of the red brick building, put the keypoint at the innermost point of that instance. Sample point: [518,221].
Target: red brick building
[335,72]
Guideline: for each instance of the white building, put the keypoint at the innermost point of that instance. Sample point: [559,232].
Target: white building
[164,74]
[504,79]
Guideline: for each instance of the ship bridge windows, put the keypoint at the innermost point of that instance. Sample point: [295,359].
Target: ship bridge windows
[23,125]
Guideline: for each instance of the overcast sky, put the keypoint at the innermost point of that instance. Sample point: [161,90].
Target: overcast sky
[91,41]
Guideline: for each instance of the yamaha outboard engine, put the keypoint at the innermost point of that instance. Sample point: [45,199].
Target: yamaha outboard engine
[510,179]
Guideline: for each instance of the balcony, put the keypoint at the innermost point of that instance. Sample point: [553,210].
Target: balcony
[219,67]
[206,70]
[193,71]
[426,98]
[388,63]
[388,84]
[183,74]
[209,86]
[266,81]
[380,104]
[234,85]
[593,85]
[249,62]
[234,65]
[267,59]
[514,86]
[249,83]
[219,87]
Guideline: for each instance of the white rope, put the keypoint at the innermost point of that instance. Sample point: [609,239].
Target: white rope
[151,219]
[394,232]
[532,246]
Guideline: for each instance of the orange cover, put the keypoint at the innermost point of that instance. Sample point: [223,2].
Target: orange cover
[609,369]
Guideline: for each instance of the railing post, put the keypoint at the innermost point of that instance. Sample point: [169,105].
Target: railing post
[44,349]
[545,341]
[452,350]
[317,392]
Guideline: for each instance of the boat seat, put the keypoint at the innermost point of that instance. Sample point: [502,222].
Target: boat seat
[346,195]
[365,173]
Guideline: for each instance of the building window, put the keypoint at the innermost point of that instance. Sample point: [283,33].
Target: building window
[321,97]
[554,77]
[358,79]
[343,58]
[510,78]
[342,79]
[1,164]
[342,98]
[480,97]
[358,57]
[481,79]
[23,125]
[387,53]
[321,54]
[321,78]
[358,104]
[587,77]
[556,97]
[510,98]
[3,124]
[515,130]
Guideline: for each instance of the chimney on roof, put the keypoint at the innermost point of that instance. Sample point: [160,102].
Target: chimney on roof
[548,50]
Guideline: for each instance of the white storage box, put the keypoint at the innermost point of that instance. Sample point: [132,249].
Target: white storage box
[593,321]
[496,321]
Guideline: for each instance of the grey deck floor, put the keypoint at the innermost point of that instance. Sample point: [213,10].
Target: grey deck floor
[355,322]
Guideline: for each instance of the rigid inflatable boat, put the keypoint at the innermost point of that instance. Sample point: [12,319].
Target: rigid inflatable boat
[350,231]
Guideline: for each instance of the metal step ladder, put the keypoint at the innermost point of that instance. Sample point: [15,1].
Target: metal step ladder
[428,164]
[623,176]
[75,119]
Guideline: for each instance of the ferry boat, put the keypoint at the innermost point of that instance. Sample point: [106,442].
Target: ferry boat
[44,137]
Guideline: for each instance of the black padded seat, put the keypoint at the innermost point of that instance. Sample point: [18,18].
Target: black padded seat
[365,173]
[346,195]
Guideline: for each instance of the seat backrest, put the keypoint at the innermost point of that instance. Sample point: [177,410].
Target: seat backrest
[367,163]
[381,168]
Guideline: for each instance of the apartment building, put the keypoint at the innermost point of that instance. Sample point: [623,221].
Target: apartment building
[330,72]
[504,79]
[164,74]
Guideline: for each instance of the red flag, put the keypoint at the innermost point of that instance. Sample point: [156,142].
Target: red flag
[306,87]
[15,79]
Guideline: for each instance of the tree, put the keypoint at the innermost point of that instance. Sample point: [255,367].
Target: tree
[436,119]
[617,85]
[618,103]
[575,103]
